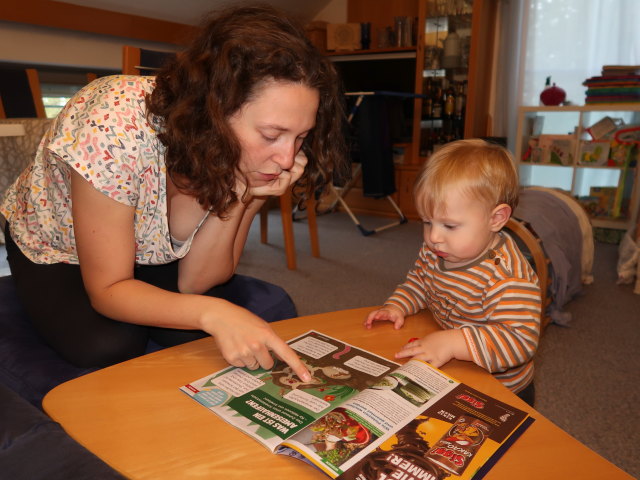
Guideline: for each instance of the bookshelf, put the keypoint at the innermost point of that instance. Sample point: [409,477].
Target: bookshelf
[555,149]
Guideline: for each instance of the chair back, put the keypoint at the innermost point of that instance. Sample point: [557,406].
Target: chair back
[20,94]
[531,246]
[142,61]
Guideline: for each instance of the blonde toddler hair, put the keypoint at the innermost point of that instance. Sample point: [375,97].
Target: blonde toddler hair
[484,171]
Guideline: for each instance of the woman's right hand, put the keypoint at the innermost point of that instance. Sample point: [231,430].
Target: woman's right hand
[246,340]
[104,231]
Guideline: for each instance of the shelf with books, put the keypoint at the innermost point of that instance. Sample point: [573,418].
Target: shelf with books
[590,151]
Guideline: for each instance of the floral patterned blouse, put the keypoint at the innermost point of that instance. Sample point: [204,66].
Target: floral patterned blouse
[103,134]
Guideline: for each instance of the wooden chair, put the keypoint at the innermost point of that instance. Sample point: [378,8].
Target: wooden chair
[286,212]
[20,94]
[142,61]
[531,247]
[139,61]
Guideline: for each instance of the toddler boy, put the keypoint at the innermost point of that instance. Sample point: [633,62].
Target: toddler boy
[469,273]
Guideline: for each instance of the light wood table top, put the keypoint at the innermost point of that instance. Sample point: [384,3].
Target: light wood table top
[134,417]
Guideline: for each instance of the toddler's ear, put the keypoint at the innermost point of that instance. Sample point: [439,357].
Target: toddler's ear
[499,216]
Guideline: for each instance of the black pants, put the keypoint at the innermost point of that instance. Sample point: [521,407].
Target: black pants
[59,308]
[528,394]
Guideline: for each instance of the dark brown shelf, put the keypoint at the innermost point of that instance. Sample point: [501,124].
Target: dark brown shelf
[371,51]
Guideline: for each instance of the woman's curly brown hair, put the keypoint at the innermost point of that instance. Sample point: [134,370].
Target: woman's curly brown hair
[197,91]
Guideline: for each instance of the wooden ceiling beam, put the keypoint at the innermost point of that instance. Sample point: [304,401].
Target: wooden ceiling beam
[48,13]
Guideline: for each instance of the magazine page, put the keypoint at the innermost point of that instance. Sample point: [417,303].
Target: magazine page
[272,405]
[336,441]
[460,436]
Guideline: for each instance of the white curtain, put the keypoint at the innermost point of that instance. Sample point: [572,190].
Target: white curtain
[506,94]
[568,40]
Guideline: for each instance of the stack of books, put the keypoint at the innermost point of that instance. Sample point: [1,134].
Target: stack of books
[617,84]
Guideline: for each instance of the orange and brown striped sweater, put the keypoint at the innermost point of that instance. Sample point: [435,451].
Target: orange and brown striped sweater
[494,300]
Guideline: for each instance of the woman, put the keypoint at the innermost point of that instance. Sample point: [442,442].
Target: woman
[142,193]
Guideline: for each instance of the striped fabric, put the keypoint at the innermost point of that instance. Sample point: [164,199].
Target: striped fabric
[495,301]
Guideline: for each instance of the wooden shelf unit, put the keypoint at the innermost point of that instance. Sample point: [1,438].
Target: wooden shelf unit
[381,13]
[575,177]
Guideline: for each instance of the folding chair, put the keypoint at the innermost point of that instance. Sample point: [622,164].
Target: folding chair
[340,192]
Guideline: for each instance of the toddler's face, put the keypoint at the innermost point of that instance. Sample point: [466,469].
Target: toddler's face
[461,232]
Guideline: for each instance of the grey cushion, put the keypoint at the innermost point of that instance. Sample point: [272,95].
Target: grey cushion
[32,446]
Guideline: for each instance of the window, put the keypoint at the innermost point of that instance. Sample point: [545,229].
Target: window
[58,84]
[568,40]
[571,40]
[56,95]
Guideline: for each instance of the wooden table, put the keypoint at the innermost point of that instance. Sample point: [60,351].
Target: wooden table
[135,418]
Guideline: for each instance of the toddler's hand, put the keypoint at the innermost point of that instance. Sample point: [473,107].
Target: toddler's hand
[436,348]
[389,313]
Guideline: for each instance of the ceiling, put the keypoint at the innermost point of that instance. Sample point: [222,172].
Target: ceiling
[191,11]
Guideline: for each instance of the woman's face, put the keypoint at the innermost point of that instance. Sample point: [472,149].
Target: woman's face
[271,128]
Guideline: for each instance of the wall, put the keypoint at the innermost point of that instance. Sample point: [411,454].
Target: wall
[21,43]
[334,12]
[34,44]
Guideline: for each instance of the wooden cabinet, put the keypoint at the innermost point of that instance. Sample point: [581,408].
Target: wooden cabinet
[380,13]
[555,149]
[405,179]
[409,68]
[467,74]
[474,22]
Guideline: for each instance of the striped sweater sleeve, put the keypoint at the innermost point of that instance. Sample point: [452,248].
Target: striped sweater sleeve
[509,332]
[509,336]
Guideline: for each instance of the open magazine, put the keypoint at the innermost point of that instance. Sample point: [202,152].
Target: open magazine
[364,417]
